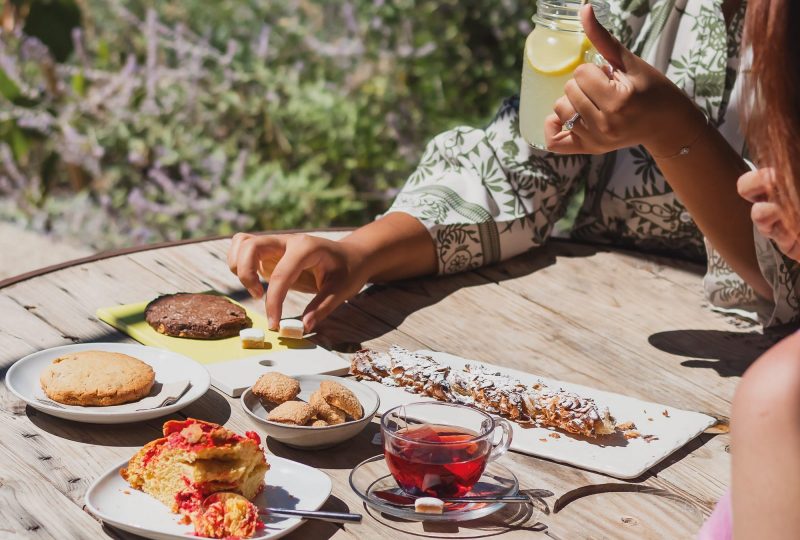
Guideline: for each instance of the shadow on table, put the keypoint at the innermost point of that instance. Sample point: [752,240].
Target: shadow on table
[513,517]
[380,309]
[135,434]
[342,456]
[729,353]
[211,407]
[322,529]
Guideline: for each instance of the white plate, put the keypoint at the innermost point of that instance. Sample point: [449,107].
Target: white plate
[23,378]
[615,456]
[289,485]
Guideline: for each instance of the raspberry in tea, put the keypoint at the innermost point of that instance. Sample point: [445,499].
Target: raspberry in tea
[435,460]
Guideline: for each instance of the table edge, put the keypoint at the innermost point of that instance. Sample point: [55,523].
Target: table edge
[110,254]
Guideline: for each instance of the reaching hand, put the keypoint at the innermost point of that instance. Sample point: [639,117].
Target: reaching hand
[773,213]
[634,104]
[332,270]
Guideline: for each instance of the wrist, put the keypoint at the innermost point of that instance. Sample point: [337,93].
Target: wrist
[676,137]
[358,256]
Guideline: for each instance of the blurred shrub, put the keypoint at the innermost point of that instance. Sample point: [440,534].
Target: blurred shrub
[165,120]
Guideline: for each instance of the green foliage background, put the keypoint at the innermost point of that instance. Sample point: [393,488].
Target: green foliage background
[163,120]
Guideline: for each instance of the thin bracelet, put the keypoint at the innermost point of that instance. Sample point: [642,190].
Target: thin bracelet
[684,151]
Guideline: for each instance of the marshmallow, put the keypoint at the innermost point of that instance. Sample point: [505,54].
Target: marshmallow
[291,329]
[252,338]
[429,505]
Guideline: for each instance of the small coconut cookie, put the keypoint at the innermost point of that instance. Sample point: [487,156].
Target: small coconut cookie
[429,505]
[276,387]
[295,413]
[330,413]
[342,397]
[319,423]
[252,338]
[97,379]
[291,329]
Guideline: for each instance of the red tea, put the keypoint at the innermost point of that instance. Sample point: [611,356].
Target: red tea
[437,461]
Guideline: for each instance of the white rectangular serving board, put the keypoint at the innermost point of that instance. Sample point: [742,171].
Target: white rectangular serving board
[235,376]
[613,455]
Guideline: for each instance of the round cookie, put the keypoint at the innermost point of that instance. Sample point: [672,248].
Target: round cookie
[329,413]
[342,397]
[276,387]
[197,316]
[97,378]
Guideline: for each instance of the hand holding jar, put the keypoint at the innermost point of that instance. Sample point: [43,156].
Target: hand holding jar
[633,103]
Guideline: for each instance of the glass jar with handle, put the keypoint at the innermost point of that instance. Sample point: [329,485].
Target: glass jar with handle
[555,47]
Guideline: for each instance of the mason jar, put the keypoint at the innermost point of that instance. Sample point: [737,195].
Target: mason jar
[555,47]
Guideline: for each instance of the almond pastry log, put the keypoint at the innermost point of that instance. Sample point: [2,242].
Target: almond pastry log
[484,389]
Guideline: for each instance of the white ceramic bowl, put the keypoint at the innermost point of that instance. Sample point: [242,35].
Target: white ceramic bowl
[314,438]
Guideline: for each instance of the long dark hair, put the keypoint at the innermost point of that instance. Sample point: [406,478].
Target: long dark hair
[772,30]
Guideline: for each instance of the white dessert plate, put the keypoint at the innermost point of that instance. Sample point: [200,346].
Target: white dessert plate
[615,456]
[289,485]
[23,380]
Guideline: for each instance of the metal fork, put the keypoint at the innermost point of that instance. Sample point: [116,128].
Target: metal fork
[167,401]
[50,402]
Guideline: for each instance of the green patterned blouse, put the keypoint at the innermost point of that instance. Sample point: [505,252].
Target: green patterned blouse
[485,195]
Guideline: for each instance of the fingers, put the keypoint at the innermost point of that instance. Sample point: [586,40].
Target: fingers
[321,306]
[753,187]
[246,255]
[558,140]
[301,253]
[787,241]
[582,104]
[765,215]
[252,253]
[564,110]
[596,85]
[233,251]
[606,44]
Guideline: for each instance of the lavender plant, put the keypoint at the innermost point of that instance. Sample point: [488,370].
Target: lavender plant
[172,120]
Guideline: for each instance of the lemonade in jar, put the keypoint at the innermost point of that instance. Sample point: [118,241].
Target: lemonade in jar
[555,47]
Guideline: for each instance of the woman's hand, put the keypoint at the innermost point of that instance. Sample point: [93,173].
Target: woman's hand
[773,214]
[333,270]
[634,104]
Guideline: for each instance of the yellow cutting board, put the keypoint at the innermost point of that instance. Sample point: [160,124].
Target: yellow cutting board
[130,319]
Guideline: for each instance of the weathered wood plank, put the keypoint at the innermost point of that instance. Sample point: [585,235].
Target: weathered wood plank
[581,316]
[30,507]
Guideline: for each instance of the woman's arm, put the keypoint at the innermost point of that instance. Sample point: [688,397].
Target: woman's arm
[478,196]
[765,445]
[705,182]
[397,246]
[637,104]
[394,247]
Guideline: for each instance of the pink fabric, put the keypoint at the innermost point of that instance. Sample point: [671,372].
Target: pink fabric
[719,525]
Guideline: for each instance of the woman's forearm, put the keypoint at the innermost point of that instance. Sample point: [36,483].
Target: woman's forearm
[396,246]
[704,180]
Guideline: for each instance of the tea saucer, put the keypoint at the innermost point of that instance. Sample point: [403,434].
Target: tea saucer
[372,475]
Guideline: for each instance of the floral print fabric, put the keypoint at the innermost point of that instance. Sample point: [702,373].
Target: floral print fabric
[485,195]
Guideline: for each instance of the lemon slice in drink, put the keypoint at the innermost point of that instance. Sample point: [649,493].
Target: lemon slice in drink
[556,53]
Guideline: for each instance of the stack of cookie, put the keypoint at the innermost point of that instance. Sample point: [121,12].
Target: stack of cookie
[331,404]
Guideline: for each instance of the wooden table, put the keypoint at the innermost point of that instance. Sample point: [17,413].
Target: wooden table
[612,320]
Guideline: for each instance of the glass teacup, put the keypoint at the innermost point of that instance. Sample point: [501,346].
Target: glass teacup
[439,449]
